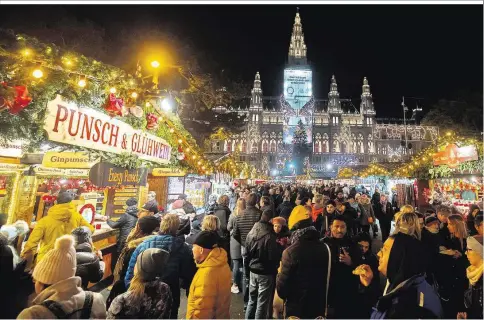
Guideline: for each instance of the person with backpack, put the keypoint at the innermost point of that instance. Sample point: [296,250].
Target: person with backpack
[59,291]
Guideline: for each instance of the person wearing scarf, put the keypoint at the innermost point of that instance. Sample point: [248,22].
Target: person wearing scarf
[407,294]
[474,295]
[302,276]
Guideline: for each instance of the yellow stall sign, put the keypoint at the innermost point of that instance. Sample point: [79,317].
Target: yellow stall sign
[168,172]
[71,160]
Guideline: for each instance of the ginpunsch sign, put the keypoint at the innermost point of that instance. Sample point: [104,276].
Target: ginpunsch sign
[67,123]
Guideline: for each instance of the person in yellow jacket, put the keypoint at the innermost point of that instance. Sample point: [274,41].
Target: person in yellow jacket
[209,295]
[61,219]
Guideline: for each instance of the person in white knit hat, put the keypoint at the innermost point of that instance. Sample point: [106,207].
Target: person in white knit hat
[59,291]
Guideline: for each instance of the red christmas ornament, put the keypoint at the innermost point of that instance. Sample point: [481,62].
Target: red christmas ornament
[151,121]
[14,99]
[114,106]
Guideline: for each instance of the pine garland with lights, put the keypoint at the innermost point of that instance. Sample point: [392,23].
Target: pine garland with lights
[45,71]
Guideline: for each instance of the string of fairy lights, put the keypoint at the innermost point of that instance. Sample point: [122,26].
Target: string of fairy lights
[422,160]
[39,62]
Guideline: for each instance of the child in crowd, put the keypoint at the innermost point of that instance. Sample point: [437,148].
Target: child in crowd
[59,291]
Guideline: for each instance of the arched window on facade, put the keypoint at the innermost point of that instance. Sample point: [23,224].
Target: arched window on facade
[325,144]
[244,146]
[253,148]
[378,148]
[336,144]
[228,146]
[361,148]
[279,145]
[371,146]
[353,143]
[265,146]
[317,143]
[272,146]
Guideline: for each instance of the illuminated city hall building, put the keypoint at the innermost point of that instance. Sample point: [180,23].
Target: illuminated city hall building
[340,134]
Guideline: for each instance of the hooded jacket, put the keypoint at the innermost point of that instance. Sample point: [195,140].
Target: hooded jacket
[125,224]
[209,296]
[70,295]
[284,209]
[89,268]
[156,303]
[302,278]
[245,222]
[263,252]
[180,264]
[413,298]
[407,295]
[61,219]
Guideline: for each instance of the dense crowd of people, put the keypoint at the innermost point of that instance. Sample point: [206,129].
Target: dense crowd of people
[290,250]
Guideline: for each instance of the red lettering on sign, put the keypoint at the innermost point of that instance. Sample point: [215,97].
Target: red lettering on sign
[114,134]
[70,124]
[104,131]
[58,117]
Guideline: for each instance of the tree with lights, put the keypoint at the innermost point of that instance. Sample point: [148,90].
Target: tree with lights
[301,147]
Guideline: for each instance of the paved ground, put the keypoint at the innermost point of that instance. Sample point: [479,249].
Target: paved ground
[237,305]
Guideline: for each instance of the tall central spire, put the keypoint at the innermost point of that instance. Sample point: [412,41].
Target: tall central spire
[297,47]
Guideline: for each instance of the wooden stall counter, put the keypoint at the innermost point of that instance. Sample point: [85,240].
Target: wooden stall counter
[104,239]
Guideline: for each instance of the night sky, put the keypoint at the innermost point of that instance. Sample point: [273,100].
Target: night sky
[422,51]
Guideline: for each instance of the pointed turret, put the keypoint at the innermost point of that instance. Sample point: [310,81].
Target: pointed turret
[256,99]
[366,105]
[297,47]
[334,105]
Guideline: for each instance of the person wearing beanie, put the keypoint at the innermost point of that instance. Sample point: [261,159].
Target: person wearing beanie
[473,296]
[61,219]
[302,279]
[209,295]
[180,265]
[145,228]
[59,291]
[147,297]
[90,267]
[300,214]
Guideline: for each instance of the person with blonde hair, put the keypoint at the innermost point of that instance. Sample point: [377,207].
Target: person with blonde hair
[406,221]
[147,297]
[235,249]
[180,265]
[211,223]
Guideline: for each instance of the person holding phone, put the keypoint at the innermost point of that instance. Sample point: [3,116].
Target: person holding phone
[343,287]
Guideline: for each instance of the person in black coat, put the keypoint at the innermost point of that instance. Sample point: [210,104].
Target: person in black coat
[473,297]
[263,256]
[349,214]
[302,281]
[126,222]
[343,286]
[222,212]
[90,267]
[285,208]
[384,213]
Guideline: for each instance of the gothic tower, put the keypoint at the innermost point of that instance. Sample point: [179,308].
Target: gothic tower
[256,97]
[297,47]
[366,105]
[334,104]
